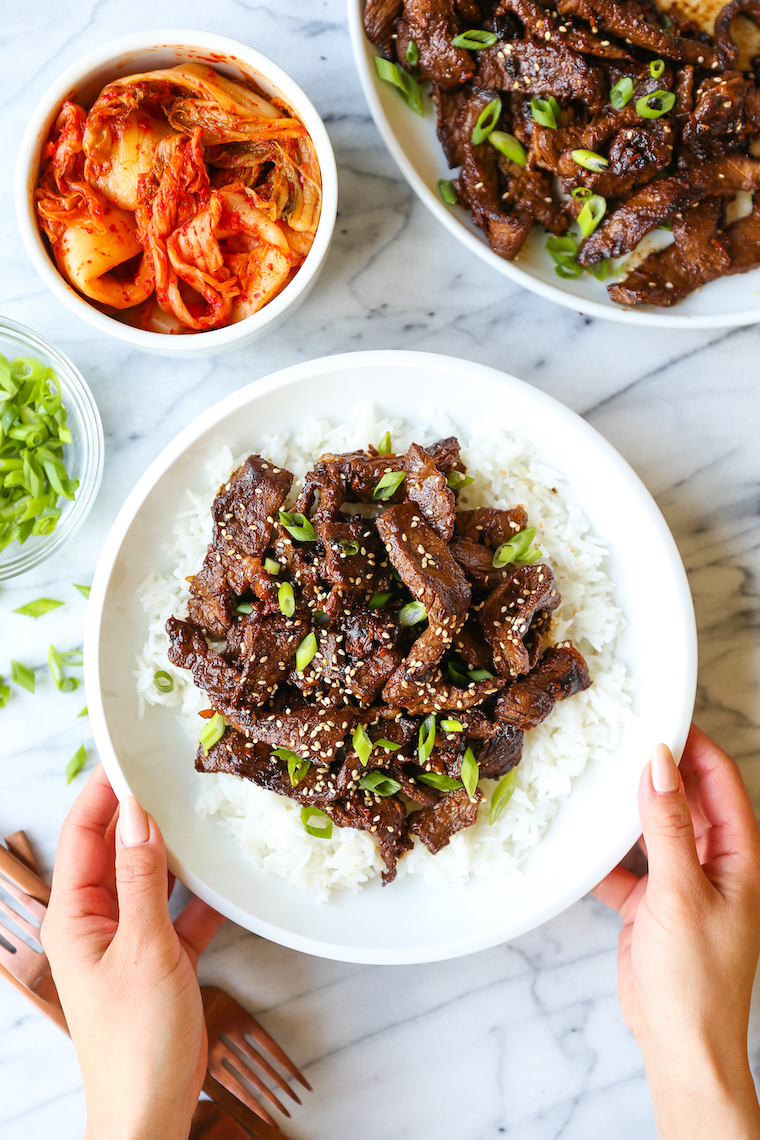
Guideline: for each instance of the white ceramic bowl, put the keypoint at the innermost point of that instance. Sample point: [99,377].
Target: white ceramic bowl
[414,145]
[409,921]
[144,51]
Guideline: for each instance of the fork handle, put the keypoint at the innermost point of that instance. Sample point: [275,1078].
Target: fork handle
[20,874]
[54,1012]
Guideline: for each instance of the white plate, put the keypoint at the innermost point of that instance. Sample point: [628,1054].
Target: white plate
[414,144]
[409,921]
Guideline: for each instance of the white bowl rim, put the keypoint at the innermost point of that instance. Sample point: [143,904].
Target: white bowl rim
[480,247]
[134,43]
[630,829]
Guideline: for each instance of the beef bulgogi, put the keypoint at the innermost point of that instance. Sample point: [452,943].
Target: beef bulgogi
[373,649]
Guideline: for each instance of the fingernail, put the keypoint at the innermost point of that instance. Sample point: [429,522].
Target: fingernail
[133,823]
[664,770]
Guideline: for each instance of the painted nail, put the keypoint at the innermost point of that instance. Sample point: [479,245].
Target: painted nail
[664,770]
[133,823]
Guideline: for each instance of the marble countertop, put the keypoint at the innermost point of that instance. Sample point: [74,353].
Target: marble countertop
[525,1040]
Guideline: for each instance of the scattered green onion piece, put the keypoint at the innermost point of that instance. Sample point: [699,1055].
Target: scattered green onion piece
[474,39]
[84,712]
[666,225]
[563,252]
[286,599]
[479,675]
[452,725]
[349,548]
[388,485]
[83,590]
[470,773]
[457,480]
[380,784]
[362,744]
[406,85]
[601,270]
[244,608]
[23,676]
[509,146]
[426,738]
[298,526]
[514,549]
[502,794]
[412,54]
[384,447]
[395,575]
[310,812]
[568,271]
[530,556]
[297,766]
[5,692]
[163,681]
[439,780]
[487,120]
[412,613]
[212,732]
[456,674]
[272,566]
[56,662]
[582,192]
[389,744]
[377,601]
[590,160]
[320,617]
[305,652]
[621,93]
[665,99]
[447,191]
[38,607]
[666,22]
[545,111]
[592,213]
[656,68]
[76,763]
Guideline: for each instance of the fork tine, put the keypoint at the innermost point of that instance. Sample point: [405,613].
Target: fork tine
[20,921]
[265,1042]
[31,905]
[233,1080]
[231,1056]
[251,1055]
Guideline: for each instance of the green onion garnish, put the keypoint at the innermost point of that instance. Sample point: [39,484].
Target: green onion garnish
[83,590]
[502,794]
[320,617]
[84,712]
[564,251]
[56,662]
[592,213]
[406,85]
[379,784]
[362,744]
[457,480]
[452,725]
[243,608]
[590,160]
[349,548]
[272,566]
[656,68]
[513,550]
[163,681]
[456,674]
[286,599]
[439,780]
[545,111]
[309,813]
[389,744]
[447,191]
[384,447]
[38,607]
[479,675]
[582,192]
[298,526]
[297,766]
[5,692]
[470,773]
[621,93]
[305,652]
[426,738]
[388,485]
[212,732]
[474,39]
[412,613]
[656,104]
[487,120]
[412,54]
[509,146]
[22,676]
[76,763]
[601,270]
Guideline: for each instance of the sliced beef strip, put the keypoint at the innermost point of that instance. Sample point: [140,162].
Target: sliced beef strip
[532,193]
[268,646]
[436,825]
[426,486]
[508,612]
[500,753]
[446,453]
[477,562]
[211,672]
[560,673]
[621,231]
[358,654]
[636,154]
[537,21]
[309,732]
[414,789]
[379,19]
[212,602]
[390,829]
[472,647]
[490,525]
[433,24]
[638,24]
[436,695]
[450,105]
[355,561]
[719,108]
[542,68]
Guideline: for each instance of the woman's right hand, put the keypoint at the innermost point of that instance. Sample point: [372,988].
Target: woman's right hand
[690,942]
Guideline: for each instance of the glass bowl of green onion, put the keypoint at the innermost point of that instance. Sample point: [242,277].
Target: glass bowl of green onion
[51,449]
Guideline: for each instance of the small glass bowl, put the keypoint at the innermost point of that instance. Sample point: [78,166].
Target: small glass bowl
[83,456]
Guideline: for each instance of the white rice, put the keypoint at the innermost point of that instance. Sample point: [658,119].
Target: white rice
[582,729]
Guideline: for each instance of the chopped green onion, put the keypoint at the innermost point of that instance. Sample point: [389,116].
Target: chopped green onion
[76,763]
[83,590]
[38,607]
[324,830]
[426,738]
[212,732]
[564,251]
[470,773]
[439,780]
[456,674]
[362,744]
[447,191]
[22,676]
[509,146]
[601,270]
[5,692]
[474,39]
[243,608]
[320,617]
[621,93]
[305,652]
[163,681]
[666,22]
[452,725]
[388,485]
[663,101]
[656,68]
[487,120]
[56,661]
[297,766]
[298,526]
[406,85]
[478,675]
[286,599]
[412,54]
[349,548]
[389,744]
[590,160]
[377,601]
[412,613]
[592,213]
[545,111]
[379,784]
[514,549]
[272,566]
[457,480]
[666,225]
[582,192]
[502,794]
[84,712]
[384,447]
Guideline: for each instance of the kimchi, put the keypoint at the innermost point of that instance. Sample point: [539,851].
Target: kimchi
[181,201]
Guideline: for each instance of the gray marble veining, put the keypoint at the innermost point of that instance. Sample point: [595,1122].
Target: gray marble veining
[525,1040]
